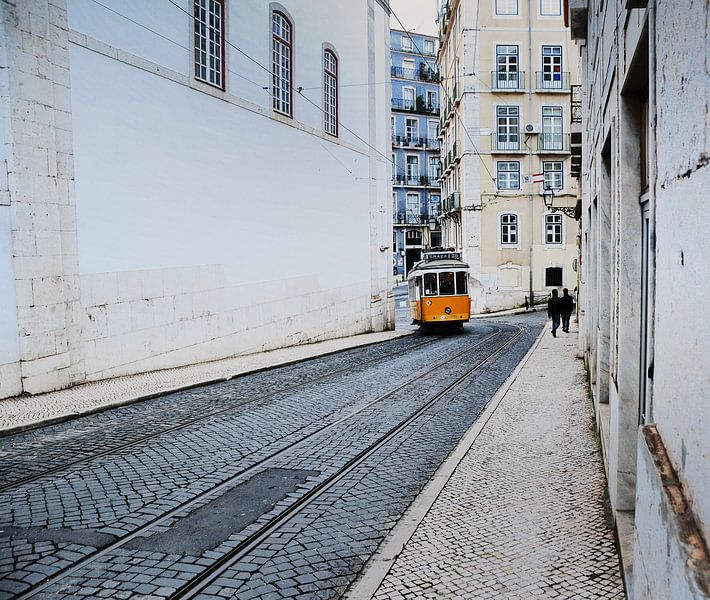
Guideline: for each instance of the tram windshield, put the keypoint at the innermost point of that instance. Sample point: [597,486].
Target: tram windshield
[431,287]
[448,283]
[461,283]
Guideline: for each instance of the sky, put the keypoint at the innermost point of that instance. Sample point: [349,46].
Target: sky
[417,15]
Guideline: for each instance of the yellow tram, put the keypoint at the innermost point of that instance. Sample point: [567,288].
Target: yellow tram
[438,291]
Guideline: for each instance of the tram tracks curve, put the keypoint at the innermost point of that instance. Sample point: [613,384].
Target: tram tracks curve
[199,499]
[184,424]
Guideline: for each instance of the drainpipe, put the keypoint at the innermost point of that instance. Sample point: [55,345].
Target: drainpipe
[530,155]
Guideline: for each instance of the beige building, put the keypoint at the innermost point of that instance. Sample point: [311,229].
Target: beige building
[508,70]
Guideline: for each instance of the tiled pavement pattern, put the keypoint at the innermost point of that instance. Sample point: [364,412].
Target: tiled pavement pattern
[522,516]
[58,519]
[24,411]
[318,552]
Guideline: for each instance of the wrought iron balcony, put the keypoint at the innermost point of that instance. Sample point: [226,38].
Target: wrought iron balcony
[553,142]
[417,106]
[451,202]
[508,80]
[506,142]
[576,104]
[411,218]
[416,180]
[552,81]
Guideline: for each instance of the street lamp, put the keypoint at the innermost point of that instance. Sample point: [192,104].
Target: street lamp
[548,195]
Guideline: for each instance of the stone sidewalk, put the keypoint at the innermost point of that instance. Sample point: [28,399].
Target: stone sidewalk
[518,510]
[24,412]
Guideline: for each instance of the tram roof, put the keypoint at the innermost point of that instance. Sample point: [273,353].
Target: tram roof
[438,265]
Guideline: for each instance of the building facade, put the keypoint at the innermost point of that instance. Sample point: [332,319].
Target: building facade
[508,68]
[416,164]
[174,180]
[646,252]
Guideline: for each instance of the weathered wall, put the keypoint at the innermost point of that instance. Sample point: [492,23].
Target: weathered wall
[206,226]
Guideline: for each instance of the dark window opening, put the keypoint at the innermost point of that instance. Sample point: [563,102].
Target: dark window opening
[553,276]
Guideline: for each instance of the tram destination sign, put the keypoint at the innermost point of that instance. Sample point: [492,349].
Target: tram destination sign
[429,256]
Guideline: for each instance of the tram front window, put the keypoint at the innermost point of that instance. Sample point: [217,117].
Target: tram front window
[430,286]
[446,284]
[461,283]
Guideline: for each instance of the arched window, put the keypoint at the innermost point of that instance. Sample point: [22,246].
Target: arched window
[509,229]
[330,93]
[282,63]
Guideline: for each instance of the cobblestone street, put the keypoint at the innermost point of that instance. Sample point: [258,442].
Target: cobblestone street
[277,484]
[522,514]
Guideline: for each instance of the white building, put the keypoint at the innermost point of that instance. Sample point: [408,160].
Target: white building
[164,204]
[646,259]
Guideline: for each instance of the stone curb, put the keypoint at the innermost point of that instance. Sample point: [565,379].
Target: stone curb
[377,567]
[68,416]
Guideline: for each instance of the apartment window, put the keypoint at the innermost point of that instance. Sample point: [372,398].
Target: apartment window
[508,123]
[330,93]
[506,7]
[553,276]
[508,175]
[432,129]
[507,67]
[434,167]
[552,128]
[409,95]
[394,168]
[430,99]
[551,8]
[428,46]
[209,41]
[412,207]
[394,128]
[509,229]
[412,169]
[411,129]
[406,43]
[282,63]
[552,170]
[551,67]
[553,229]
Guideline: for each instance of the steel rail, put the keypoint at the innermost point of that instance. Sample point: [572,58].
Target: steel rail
[229,482]
[194,420]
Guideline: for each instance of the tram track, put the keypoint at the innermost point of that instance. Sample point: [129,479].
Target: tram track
[28,479]
[199,499]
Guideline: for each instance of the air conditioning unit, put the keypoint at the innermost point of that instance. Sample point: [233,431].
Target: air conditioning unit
[532,128]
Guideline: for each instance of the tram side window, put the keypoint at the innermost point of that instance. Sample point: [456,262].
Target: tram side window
[446,284]
[430,286]
[461,283]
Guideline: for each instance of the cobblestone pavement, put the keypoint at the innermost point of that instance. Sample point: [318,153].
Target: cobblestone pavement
[25,411]
[522,515]
[51,523]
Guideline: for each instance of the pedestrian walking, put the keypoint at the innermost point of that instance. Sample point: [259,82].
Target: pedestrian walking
[553,311]
[566,308]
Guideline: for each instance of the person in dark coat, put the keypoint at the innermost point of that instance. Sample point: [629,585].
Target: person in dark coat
[553,311]
[566,308]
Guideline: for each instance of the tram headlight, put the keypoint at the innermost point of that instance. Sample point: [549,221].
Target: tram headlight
[447,310]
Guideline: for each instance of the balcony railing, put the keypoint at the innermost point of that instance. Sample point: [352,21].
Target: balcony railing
[553,142]
[417,180]
[423,73]
[415,142]
[507,80]
[547,80]
[410,218]
[451,202]
[506,142]
[417,106]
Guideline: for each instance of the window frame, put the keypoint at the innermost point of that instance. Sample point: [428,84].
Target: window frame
[328,51]
[506,14]
[545,14]
[501,229]
[559,222]
[548,71]
[407,163]
[546,170]
[506,130]
[562,277]
[223,53]
[499,171]
[290,45]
